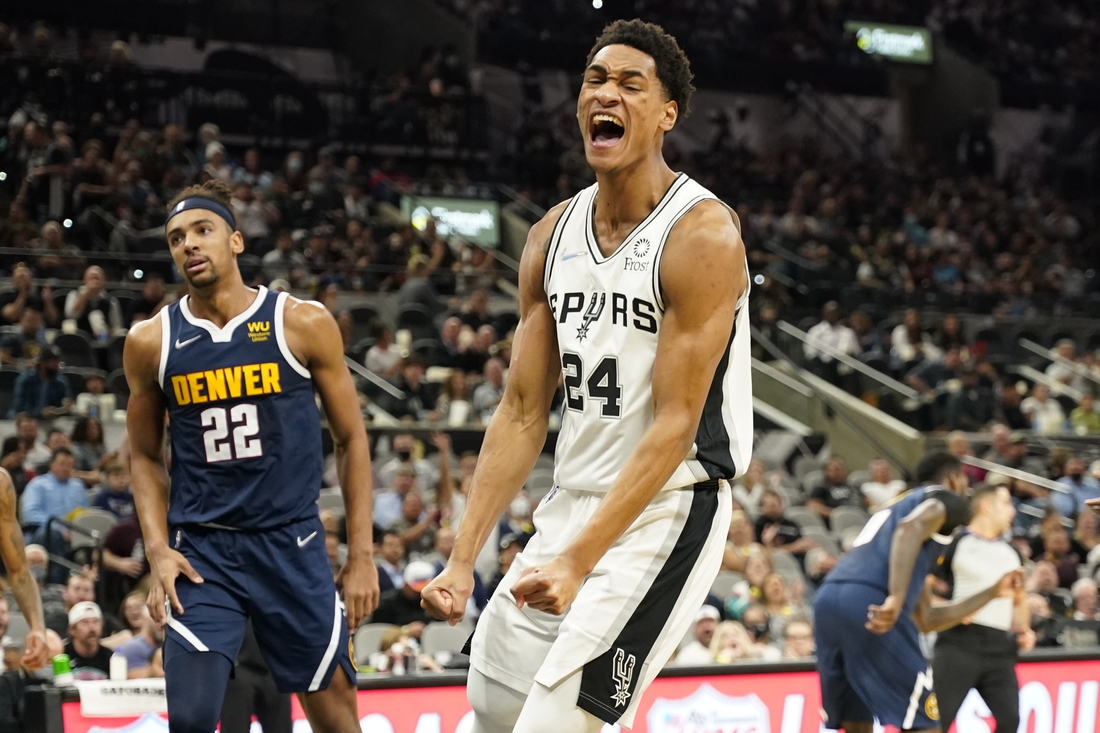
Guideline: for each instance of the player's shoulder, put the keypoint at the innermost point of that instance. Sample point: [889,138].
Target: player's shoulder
[305,315]
[710,229]
[143,340]
[543,229]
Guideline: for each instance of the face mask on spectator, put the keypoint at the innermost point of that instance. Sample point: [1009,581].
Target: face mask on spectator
[38,572]
[758,631]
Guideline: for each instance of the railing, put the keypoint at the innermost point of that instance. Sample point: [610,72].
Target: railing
[1059,360]
[1055,387]
[97,538]
[1015,473]
[886,381]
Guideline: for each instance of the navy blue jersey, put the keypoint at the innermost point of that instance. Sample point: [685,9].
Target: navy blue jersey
[868,562]
[246,434]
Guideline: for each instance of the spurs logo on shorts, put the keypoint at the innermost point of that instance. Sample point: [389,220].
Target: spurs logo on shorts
[622,675]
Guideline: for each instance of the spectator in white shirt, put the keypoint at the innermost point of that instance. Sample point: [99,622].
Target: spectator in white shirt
[356,202]
[910,343]
[254,217]
[830,332]
[1045,413]
[881,488]
[1084,600]
[384,358]
[1064,374]
[750,488]
[697,651]
[827,337]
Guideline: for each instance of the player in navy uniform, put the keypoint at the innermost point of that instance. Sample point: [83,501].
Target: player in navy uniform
[239,536]
[873,605]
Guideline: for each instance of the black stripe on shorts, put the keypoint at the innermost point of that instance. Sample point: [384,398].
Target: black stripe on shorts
[609,681]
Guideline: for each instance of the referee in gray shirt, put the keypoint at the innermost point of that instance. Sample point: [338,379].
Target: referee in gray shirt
[980,653]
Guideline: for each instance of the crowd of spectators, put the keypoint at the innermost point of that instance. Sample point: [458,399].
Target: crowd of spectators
[962,381]
[1045,41]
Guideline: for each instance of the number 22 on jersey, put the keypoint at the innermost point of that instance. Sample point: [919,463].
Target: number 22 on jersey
[245,423]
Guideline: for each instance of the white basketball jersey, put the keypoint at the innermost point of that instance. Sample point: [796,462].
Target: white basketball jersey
[608,312]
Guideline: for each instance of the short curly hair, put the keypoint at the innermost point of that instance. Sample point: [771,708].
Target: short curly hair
[213,189]
[673,67]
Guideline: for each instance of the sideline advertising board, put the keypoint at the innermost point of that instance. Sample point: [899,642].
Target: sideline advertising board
[1055,697]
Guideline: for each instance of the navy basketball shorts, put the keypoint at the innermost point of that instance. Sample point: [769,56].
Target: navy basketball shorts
[865,675]
[279,578]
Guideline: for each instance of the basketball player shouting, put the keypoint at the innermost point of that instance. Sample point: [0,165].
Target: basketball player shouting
[239,535]
[636,290]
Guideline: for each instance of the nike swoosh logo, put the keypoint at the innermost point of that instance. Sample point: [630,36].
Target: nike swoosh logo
[303,543]
[181,344]
[571,255]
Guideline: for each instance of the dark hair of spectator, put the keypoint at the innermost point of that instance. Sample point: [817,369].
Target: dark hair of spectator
[213,189]
[377,328]
[673,67]
[60,452]
[390,532]
[935,467]
[81,430]
[114,469]
[414,359]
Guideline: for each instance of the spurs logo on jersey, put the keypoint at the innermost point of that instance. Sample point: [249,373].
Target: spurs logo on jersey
[608,312]
[623,674]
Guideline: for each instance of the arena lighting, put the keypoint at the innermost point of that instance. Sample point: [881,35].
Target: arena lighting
[3,176]
[68,223]
[138,274]
[597,4]
[758,280]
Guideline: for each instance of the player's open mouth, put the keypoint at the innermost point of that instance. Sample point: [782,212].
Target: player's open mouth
[606,130]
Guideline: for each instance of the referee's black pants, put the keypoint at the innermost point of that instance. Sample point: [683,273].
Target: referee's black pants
[977,657]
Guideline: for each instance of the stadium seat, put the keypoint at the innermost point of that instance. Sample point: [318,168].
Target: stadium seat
[723,584]
[96,520]
[418,320]
[858,478]
[823,538]
[540,481]
[8,375]
[76,350]
[333,501]
[17,627]
[784,563]
[58,298]
[114,352]
[442,637]
[117,385]
[368,640]
[803,517]
[847,517]
[812,479]
[545,460]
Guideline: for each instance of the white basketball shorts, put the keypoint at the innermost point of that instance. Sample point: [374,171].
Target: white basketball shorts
[631,611]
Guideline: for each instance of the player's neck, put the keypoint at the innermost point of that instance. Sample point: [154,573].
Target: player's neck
[628,196]
[984,528]
[221,302]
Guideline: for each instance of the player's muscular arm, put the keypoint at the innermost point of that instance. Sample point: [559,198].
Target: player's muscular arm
[145,429]
[702,276]
[516,433]
[314,337]
[910,534]
[23,586]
